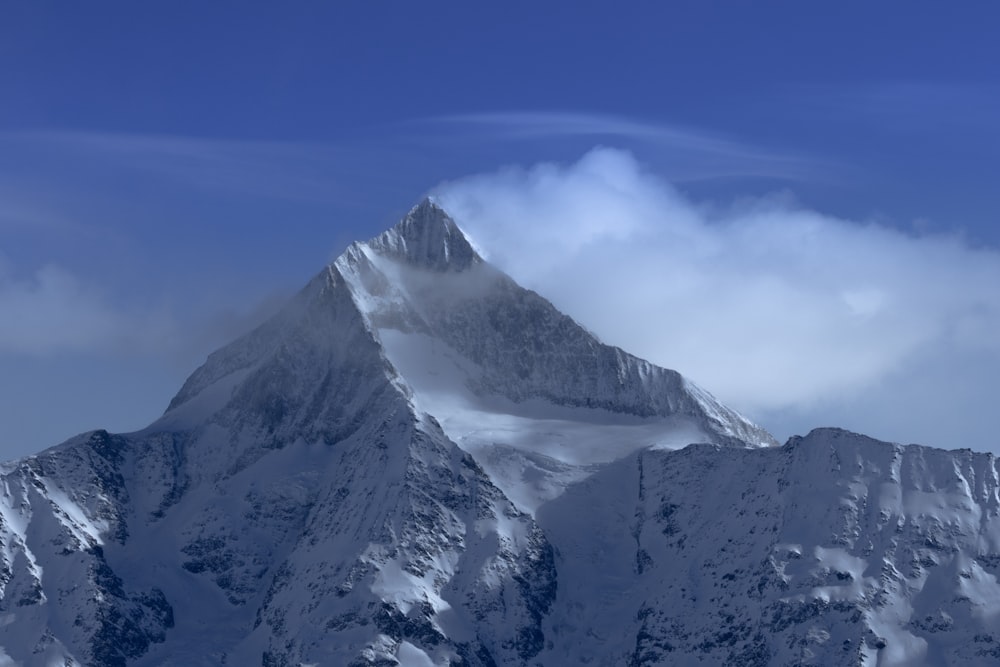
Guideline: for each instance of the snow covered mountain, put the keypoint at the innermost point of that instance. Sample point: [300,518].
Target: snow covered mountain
[419,462]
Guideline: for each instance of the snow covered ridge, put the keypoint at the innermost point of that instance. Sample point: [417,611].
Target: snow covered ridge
[419,462]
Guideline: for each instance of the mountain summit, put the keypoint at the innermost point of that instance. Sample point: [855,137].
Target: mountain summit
[417,313]
[428,238]
[419,462]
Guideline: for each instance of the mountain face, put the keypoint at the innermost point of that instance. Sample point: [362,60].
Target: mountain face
[419,462]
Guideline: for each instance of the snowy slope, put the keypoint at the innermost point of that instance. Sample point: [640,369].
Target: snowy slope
[832,550]
[536,398]
[419,462]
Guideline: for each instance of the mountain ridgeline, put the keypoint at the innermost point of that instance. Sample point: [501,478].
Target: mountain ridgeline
[419,462]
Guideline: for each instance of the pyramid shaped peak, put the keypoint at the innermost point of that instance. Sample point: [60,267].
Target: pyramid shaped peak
[428,237]
[429,207]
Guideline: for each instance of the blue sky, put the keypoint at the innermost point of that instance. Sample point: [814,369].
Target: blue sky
[170,171]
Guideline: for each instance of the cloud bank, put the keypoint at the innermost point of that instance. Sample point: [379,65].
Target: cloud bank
[795,317]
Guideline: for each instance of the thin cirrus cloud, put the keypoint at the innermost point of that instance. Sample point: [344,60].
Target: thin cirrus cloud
[274,169]
[702,154]
[795,317]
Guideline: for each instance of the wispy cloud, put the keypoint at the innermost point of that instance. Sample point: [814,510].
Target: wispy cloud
[706,154]
[783,311]
[282,170]
[20,213]
[53,311]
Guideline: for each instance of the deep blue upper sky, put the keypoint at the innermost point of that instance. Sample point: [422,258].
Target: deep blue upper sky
[191,158]
[318,70]
[902,96]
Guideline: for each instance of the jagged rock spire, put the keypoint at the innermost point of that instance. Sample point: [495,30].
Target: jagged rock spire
[427,237]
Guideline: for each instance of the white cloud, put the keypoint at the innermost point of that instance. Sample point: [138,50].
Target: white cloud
[53,311]
[786,313]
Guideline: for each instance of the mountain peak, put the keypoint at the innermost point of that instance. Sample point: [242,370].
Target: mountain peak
[428,237]
[421,462]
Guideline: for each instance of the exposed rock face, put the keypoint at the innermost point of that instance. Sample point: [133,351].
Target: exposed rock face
[419,462]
